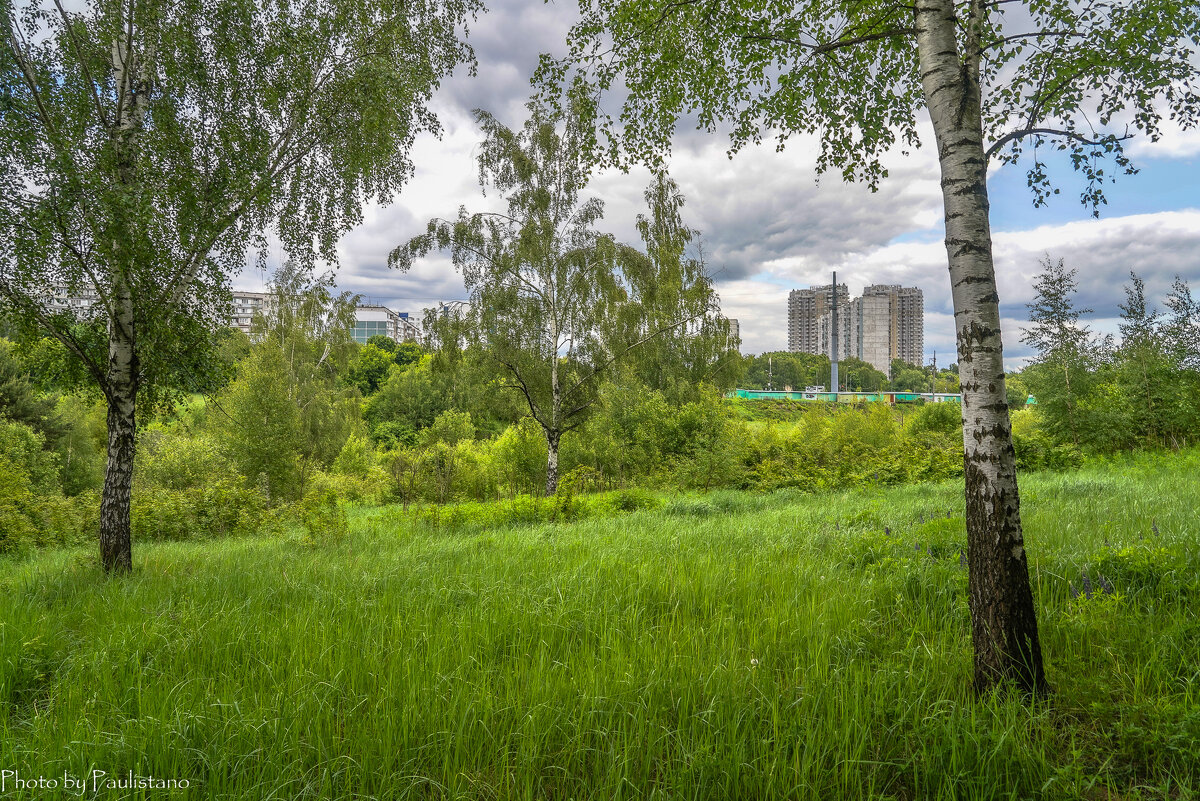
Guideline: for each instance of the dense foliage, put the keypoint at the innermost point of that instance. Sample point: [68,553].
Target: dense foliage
[307,419]
[1106,395]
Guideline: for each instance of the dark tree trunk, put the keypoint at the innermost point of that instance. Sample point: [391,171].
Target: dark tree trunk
[122,387]
[1003,622]
[115,547]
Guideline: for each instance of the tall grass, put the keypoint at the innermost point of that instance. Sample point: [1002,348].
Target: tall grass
[787,646]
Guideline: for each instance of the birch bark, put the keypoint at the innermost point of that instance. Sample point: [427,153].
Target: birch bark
[121,377]
[1003,622]
[553,434]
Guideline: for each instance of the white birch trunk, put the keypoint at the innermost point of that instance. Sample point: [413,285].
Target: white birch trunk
[1003,623]
[122,375]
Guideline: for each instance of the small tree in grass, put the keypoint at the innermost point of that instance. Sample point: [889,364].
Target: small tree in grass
[1064,347]
[555,303]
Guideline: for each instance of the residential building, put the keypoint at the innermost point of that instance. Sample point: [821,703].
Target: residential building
[844,326]
[805,309]
[245,306]
[887,322]
[372,320]
[80,303]
[903,308]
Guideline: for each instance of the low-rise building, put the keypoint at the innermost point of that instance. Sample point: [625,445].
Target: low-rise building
[372,320]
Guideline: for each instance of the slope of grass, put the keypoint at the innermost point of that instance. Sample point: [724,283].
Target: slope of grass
[732,647]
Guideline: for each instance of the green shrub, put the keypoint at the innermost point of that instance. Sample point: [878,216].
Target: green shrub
[31,519]
[356,474]
[935,418]
[19,520]
[393,434]
[223,508]
[25,450]
[324,520]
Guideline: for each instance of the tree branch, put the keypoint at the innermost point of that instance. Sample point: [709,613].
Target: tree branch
[31,82]
[837,44]
[604,365]
[1031,35]
[45,321]
[1078,137]
[533,407]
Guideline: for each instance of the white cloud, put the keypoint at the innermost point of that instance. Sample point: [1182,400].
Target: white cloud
[1174,143]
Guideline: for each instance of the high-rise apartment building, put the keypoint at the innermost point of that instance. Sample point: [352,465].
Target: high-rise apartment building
[886,323]
[905,316]
[805,307]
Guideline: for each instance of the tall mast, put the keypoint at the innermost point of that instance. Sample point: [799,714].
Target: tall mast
[833,356]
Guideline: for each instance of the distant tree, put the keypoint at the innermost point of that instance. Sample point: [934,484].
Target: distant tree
[549,297]
[410,399]
[1158,389]
[785,369]
[408,353]
[1063,346]
[857,375]
[259,424]
[1181,328]
[20,399]
[1018,394]
[147,147]
[289,410]
[922,378]
[1142,360]
[383,342]
[312,326]
[672,284]
[910,378]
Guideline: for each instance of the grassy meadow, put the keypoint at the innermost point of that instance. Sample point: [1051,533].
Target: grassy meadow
[727,646]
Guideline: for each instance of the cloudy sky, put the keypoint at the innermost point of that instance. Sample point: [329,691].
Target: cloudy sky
[768,226]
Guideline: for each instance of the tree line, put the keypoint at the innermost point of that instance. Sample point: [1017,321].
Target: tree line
[778,370]
[1103,393]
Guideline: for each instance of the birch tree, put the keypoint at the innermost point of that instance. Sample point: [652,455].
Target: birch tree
[149,146]
[554,302]
[1000,80]
[1063,345]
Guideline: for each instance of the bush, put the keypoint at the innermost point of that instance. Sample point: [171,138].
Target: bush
[20,526]
[394,434]
[221,508]
[936,418]
[25,450]
[324,519]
